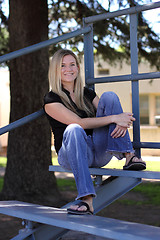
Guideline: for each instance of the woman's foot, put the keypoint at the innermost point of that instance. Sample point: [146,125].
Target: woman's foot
[84,207]
[133,162]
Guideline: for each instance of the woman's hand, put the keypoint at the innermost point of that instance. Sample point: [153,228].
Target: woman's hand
[124,119]
[119,132]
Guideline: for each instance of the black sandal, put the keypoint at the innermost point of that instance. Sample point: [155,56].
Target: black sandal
[135,166]
[87,211]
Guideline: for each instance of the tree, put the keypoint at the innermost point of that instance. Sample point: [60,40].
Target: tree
[4,48]
[110,34]
[27,177]
[29,147]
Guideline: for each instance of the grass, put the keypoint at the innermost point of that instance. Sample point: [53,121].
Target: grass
[66,184]
[3,161]
[151,165]
[150,190]
[116,164]
[63,184]
[1,183]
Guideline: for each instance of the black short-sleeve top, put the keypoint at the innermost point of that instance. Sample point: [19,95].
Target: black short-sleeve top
[57,127]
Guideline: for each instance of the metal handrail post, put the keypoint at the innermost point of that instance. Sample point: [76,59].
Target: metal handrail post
[135,83]
[88,55]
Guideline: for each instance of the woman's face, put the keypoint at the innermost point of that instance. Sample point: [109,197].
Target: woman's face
[69,69]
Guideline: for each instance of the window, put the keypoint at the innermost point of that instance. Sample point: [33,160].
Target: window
[144,109]
[103,71]
[157,105]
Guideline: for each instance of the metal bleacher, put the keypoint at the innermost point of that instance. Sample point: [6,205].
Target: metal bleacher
[46,223]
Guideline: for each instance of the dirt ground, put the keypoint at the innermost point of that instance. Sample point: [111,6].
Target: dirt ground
[146,214]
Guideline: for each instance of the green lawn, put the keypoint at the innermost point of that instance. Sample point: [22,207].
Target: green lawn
[66,184]
[151,165]
[3,161]
[114,163]
[150,190]
[1,183]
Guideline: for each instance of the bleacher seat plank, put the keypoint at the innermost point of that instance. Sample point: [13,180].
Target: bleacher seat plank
[100,226]
[112,172]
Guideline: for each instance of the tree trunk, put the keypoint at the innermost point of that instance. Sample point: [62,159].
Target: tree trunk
[29,147]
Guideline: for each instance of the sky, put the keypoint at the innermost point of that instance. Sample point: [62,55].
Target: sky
[152,16]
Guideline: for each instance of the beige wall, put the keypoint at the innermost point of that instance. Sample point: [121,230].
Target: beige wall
[149,133]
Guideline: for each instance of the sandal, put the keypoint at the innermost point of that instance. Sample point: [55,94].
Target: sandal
[87,211]
[137,166]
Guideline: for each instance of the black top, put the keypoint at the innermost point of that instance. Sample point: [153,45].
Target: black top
[58,128]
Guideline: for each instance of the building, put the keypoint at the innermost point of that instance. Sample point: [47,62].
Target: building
[149,96]
[149,99]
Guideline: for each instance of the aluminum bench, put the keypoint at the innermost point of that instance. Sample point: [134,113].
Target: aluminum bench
[99,226]
[42,222]
[112,172]
[118,183]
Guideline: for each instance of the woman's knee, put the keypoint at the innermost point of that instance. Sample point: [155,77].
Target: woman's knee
[74,130]
[109,104]
[109,96]
[109,99]
[73,127]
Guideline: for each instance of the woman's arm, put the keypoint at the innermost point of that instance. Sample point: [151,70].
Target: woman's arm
[62,114]
[95,102]
[119,131]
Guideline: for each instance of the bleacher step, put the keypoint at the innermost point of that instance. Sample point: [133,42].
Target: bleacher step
[100,226]
[112,172]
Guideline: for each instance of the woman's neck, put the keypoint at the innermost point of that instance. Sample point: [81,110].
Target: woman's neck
[69,88]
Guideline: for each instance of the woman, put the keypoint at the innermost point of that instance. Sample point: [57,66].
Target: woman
[88,131]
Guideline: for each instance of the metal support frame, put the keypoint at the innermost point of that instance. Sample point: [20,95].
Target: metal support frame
[88,55]
[126,11]
[21,121]
[114,187]
[43,44]
[95,225]
[124,78]
[110,190]
[87,30]
[135,83]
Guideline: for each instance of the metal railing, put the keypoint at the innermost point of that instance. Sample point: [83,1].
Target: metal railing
[43,44]
[134,77]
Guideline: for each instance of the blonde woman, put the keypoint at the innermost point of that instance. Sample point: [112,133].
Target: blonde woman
[88,131]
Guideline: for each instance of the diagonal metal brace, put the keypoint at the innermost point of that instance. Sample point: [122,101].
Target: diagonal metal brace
[110,190]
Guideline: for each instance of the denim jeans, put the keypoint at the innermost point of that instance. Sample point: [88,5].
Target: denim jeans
[79,151]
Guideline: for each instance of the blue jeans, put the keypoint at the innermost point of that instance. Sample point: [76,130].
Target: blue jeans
[79,151]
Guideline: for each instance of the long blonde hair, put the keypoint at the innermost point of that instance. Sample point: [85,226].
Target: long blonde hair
[56,86]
